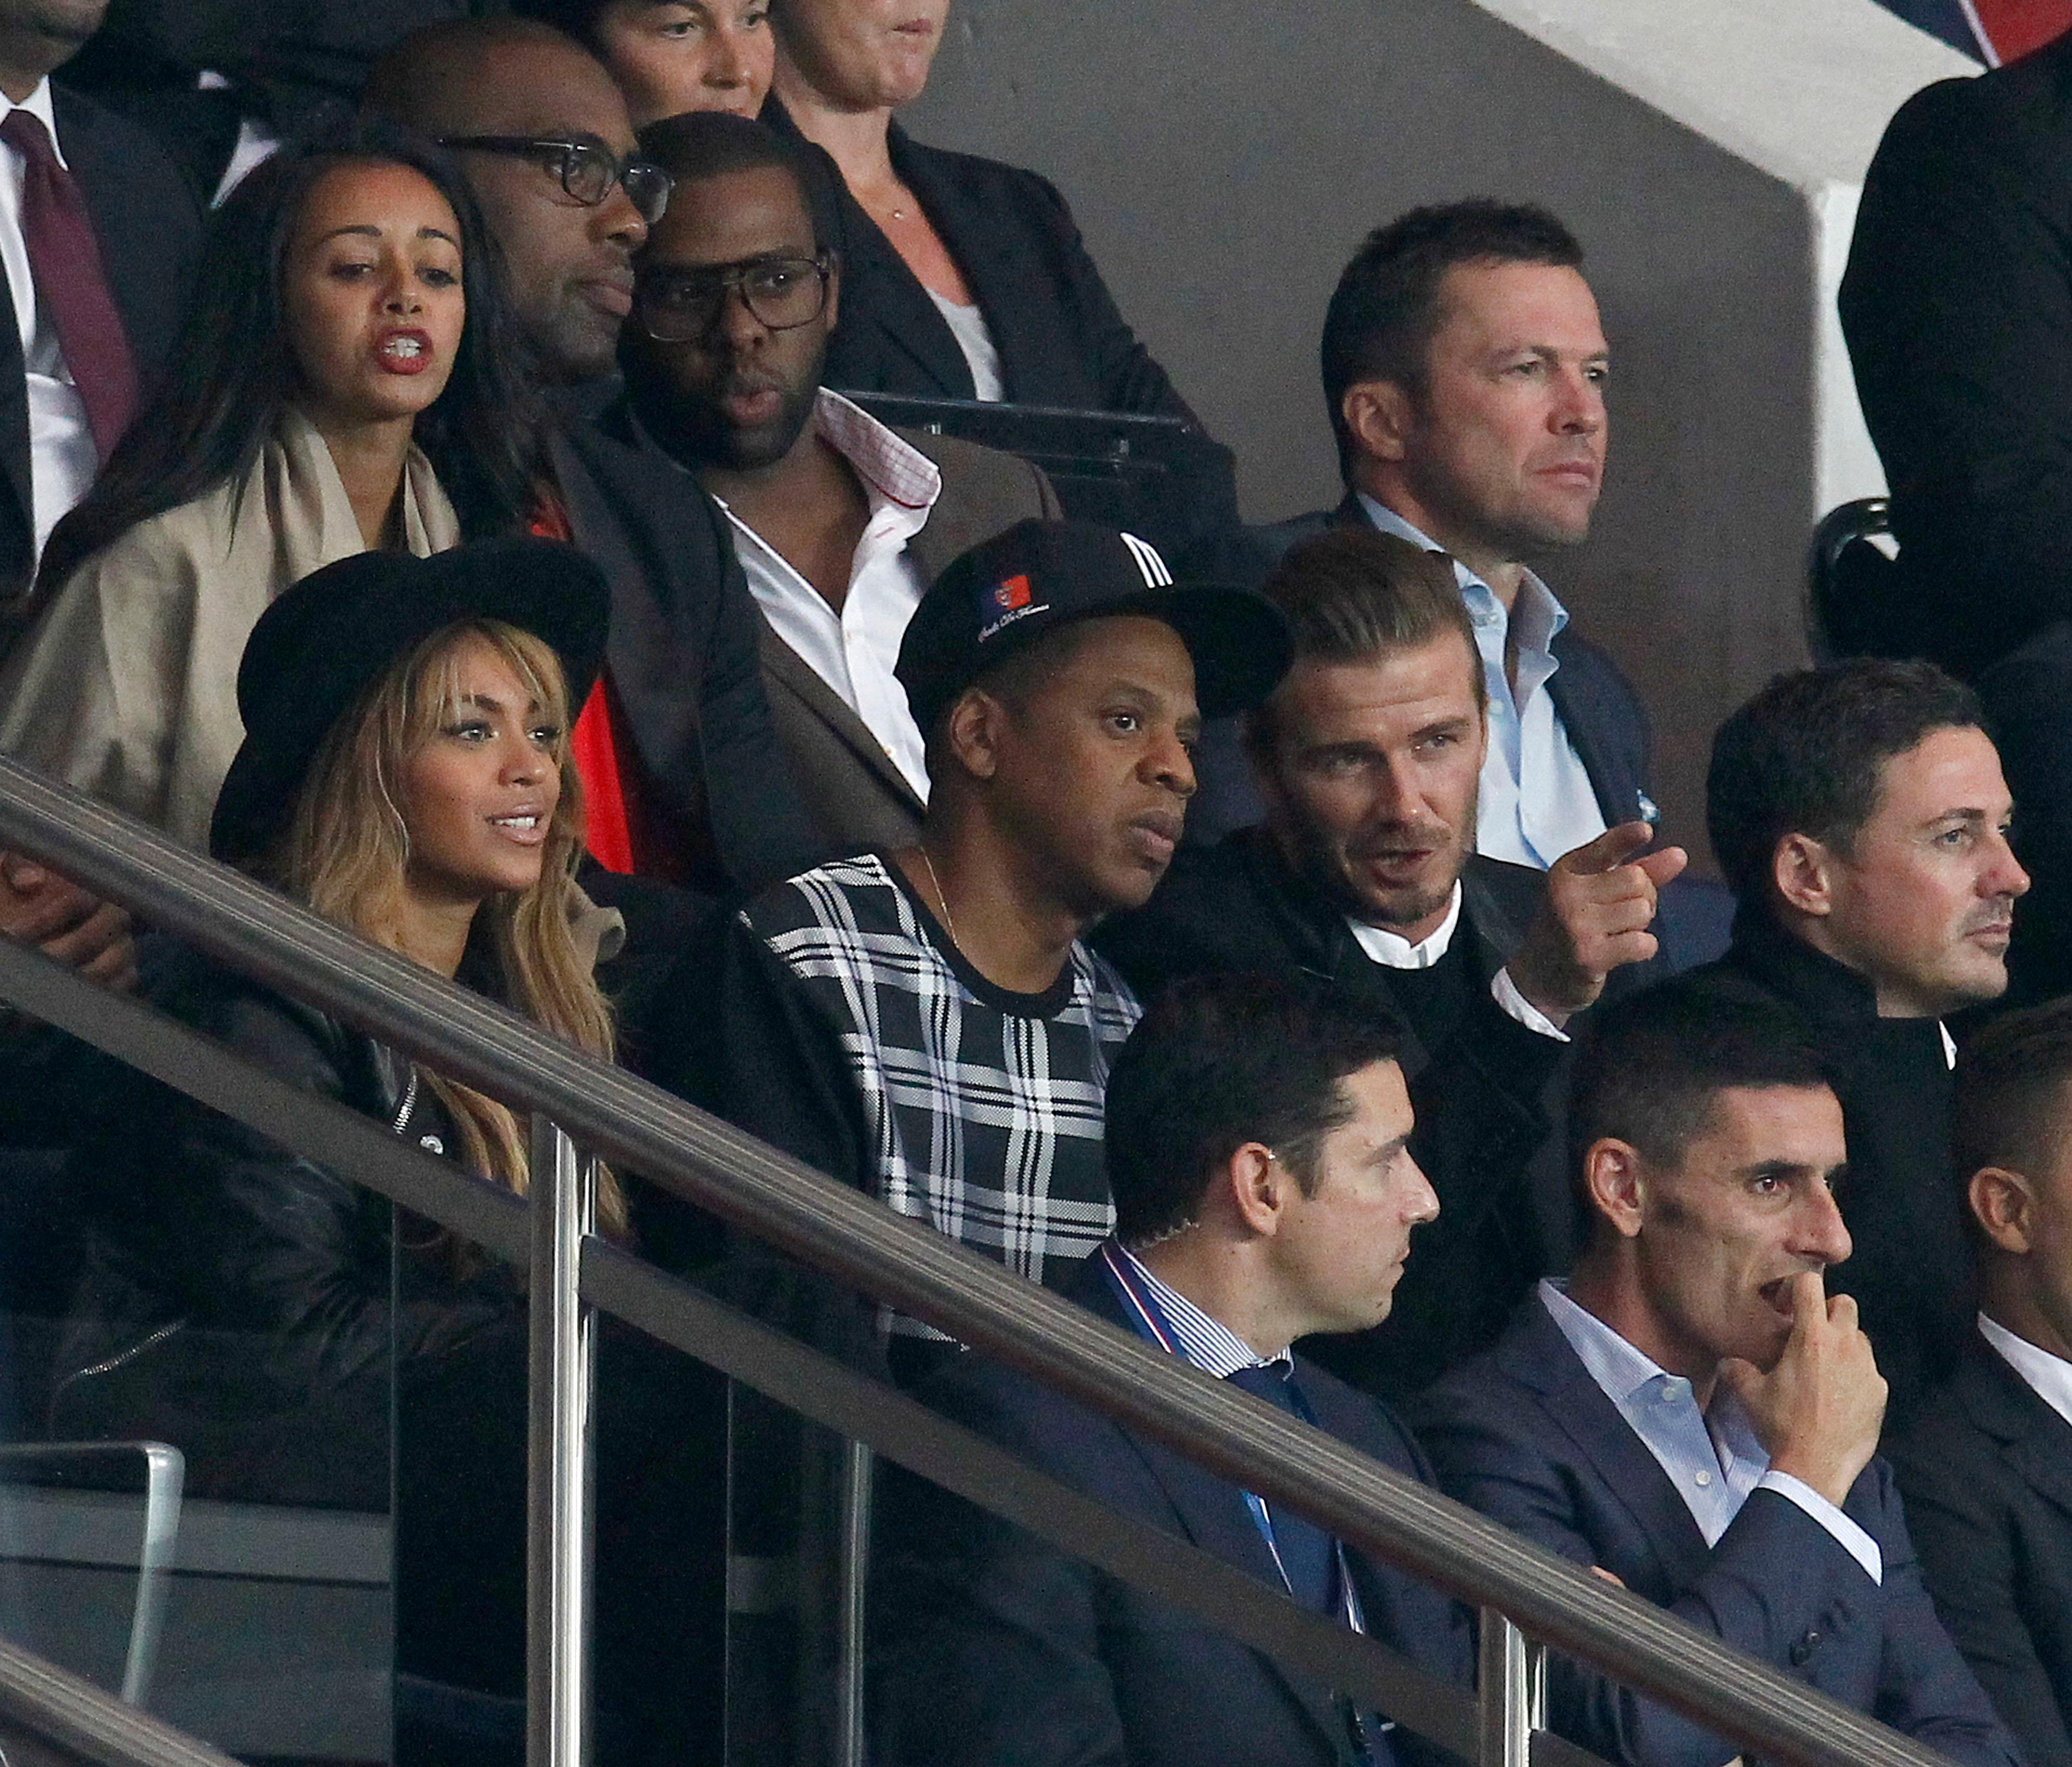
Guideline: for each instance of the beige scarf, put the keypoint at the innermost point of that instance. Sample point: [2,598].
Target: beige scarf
[127,685]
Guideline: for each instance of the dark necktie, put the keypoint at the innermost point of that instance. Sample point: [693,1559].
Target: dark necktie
[65,258]
[1305,1549]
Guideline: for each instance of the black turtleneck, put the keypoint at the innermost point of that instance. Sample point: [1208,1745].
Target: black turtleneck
[1911,1266]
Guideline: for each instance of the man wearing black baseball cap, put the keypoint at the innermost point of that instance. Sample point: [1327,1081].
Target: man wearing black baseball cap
[926,1024]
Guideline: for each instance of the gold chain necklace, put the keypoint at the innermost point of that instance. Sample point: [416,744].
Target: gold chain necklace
[942,901]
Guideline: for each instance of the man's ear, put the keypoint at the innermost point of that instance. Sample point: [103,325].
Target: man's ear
[1255,1184]
[1378,417]
[973,730]
[1615,1180]
[2003,1204]
[1802,870]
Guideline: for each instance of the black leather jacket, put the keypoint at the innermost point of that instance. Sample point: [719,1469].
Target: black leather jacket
[244,1303]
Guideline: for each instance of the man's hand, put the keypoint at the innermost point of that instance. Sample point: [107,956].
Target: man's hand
[1818,1411]
[37,907]
[1600,903]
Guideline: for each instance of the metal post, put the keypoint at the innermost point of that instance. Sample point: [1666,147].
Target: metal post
[1511,1691]
[558,1459]
[857,1466]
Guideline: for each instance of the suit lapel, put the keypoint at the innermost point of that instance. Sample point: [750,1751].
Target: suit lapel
[786,671]
[2037,1441]
[1213,1515]
[1617,796]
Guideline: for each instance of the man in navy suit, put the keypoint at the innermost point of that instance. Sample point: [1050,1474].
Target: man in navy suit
[1986,1467]
[1691,1412]
[1258,1144]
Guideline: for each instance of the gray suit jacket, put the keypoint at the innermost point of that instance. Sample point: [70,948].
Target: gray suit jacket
[854,795]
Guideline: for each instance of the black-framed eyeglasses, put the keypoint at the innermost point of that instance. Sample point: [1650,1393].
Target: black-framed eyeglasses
[676,305]
[587,170]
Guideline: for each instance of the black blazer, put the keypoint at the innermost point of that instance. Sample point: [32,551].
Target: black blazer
[1594,700]
[682,657]
[148,228]
[1957,306]
[988,1646]
[1062,341]
[1987,1473]
[1909,1267]
[1525,1435]
[1487,1098]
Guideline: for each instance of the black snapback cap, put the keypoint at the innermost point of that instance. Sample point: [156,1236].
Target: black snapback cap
[1005,593]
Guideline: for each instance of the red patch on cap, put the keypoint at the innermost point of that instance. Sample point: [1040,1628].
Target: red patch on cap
[1013,593]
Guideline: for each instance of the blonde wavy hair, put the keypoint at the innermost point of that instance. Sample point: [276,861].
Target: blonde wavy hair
[346,854]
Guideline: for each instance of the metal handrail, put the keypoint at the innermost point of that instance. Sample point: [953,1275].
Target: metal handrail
[839,1231]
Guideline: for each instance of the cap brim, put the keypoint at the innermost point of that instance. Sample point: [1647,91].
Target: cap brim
[1238,640]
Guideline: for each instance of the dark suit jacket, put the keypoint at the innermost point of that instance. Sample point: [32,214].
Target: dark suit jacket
[1487,1098]
[854,797]
[1957,306]
[1986,1469]
[682,658]
[1909,1267]
[1594,700]
[148,228]
[1525,1434]
[988,1646]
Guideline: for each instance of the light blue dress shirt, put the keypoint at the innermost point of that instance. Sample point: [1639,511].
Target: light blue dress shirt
[1714,1464]
[1536,802]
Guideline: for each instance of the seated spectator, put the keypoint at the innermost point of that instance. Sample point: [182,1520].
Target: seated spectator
[1690,1411]
[1257,1133]
[670,56]
[1986,1467]
[1860,814]
[966,279]
[1464,371]
[93,306]
[1367,755]
[345,332]
[839,522]
[926,1024]
[683,774]
[1966,380]
[405,772]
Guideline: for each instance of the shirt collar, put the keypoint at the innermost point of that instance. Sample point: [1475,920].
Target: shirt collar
[37,105]
[1205,1342]
[1537,614]
[1392,950]
[1615,1365]
[893,470]
[2049,1377]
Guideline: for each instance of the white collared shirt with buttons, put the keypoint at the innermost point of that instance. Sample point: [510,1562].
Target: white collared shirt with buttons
[1536,801]
[1714,1461]
[62,461]
[1392,950]
[2047,1376]
[854,651]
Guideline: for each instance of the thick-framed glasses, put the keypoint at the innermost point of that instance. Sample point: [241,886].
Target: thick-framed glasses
[681,306]
[587,170]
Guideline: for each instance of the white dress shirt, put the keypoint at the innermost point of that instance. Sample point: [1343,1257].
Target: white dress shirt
[1536,801]
[1714,1461]
[2047,1376]
[853,651]
[62,461]
[1392,950]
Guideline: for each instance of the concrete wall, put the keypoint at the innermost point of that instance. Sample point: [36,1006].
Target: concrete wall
[1224,158]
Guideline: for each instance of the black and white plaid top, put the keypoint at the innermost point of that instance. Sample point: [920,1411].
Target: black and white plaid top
[986,1105]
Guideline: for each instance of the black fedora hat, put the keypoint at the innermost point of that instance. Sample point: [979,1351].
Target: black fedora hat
[1006,592]
[327,638]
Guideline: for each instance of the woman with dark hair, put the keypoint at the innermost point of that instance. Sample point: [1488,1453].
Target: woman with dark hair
[345,381]
[670,56]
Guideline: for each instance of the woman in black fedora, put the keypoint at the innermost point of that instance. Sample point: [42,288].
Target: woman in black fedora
[405,772]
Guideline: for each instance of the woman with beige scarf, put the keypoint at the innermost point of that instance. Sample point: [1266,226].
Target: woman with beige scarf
[346,335]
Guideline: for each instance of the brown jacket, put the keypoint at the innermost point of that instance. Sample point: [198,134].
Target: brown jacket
[857,798]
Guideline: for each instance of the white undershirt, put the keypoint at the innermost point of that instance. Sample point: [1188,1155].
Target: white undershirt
[1392,950]
[2047,1376]
[974,337]
[62,460]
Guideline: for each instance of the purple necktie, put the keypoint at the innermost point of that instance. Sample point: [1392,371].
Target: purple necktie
[65,258]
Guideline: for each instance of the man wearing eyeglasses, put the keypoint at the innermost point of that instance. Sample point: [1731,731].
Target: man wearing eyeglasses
[839,522]
[684,777]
